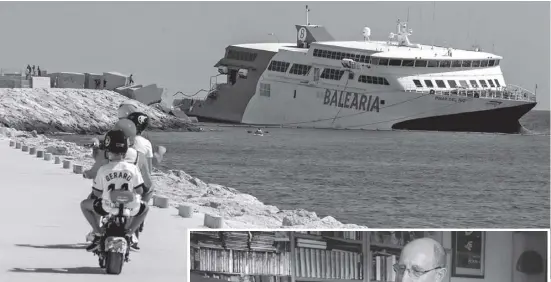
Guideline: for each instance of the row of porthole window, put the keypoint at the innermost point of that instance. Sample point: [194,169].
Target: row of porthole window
[484,83]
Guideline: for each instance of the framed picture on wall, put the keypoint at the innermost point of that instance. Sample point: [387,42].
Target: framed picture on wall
[468,254]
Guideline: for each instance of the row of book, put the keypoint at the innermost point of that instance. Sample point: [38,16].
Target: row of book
[235,240]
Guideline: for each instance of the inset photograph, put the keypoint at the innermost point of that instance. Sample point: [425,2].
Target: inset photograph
[312,256]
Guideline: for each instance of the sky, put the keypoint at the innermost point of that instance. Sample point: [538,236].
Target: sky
[176,44]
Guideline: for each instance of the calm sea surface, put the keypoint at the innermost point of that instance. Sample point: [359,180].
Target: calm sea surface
[379,179]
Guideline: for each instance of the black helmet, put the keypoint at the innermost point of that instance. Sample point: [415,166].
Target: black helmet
[116,142]
[141,121]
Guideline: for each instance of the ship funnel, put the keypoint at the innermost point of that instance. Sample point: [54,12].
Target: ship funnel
[306,34]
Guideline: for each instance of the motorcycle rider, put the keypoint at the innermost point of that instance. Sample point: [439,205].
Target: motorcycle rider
[117,174]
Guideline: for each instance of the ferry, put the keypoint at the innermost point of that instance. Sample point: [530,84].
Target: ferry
[319,82]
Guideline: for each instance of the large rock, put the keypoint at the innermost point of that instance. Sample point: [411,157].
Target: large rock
[90,80]
[114,80]
[72,80]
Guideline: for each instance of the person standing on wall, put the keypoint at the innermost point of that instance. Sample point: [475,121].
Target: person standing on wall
[39,71]
[104,83]
[131,80]
[34,70]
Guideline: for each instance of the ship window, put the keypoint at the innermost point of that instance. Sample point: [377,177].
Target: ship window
[316,52]
[362,59]
[369,79]
[476,64]
[357,57]
[417,83]
[299,69]
[351,75]
[497,82]
[491,82]
[395,62]
[332,74]
[278,66]
[265,89]
[241,55]
[464,83]
[483,83]
[381,80]
[432,64]
[333,55]
[497,63]
[491,63]
[383,62]
[367,59]
[340,56]
[374,61]
[420,63]
[440,83]
[324,53]
[456,64]
[445,64]
[452,83]
[466,64]
[473,83]
[385,81]
[428,83]
[408,63]
[483,63]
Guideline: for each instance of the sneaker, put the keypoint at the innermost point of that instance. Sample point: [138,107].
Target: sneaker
[95,243]
[135,247]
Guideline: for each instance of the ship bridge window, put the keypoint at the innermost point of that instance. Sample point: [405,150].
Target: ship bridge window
[373,80]
[456,64]
[483,83]
[464,83]
[445,64]
[299,69]
[491,82]
[476,63]
[417,83]
[428,83]
[473,83]
[496,63]
[241,55]
[491,63]
[420,63]
[452,83]
[497,82]
[483,63]
[332,74]
[278,66]
[432,63]
[440,84]
[466,64]
[340,55]
[395,62]
[383,62]
[408,63]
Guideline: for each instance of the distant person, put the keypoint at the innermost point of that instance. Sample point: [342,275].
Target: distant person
[39,71]
[131,80]
[104,83]
[424,259]
[34,70]
[98,82]
[29,68]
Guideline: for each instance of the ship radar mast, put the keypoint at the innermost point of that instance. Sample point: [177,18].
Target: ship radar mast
[307,11]
[402,35]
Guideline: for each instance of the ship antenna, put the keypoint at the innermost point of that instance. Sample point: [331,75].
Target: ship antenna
[433,11]
[407,19]
[307,10]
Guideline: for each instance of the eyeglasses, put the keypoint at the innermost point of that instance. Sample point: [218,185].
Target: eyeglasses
[417,273]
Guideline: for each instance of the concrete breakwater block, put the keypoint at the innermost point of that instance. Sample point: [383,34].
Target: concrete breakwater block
[32,151]
[25,148]
[78,169]
[185,211]
[160,202]
[66,164]
[48,156]
[40,154]
[212,221]
[18,145]
[57,160]
[12,143]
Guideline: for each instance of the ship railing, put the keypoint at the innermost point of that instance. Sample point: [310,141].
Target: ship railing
[509,92]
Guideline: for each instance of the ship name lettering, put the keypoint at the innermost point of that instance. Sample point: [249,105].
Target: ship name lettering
[350,100]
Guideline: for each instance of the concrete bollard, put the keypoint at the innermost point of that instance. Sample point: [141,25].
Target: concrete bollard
[212,221]
[78,169]
[48,156]
[12,143]
[57,160]
[17,145]
[25,148]
[160,202]
[66,164]
[32,151]
[40,154]
[185,211]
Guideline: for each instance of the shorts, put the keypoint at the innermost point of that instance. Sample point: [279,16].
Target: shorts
[99,208]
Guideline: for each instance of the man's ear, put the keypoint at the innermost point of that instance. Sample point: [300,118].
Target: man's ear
[441,274]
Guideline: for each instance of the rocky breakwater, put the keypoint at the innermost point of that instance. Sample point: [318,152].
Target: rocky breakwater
[80,111]
[239,210]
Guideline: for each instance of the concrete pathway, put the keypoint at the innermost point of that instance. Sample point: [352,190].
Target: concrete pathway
[42,237]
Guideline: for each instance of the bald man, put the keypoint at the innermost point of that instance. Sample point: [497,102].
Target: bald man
[421,260]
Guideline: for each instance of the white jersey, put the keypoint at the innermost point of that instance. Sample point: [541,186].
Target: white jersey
[131,156]
[118,175]
[144,146]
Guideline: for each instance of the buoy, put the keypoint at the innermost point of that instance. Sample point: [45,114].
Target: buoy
[32,151]
[185,211]
[40,154]
[25,148]
[48,156]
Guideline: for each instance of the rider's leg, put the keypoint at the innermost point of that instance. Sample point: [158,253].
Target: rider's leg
[137,220]
[87,207]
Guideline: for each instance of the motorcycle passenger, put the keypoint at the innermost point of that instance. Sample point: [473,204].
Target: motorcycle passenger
[117,174]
